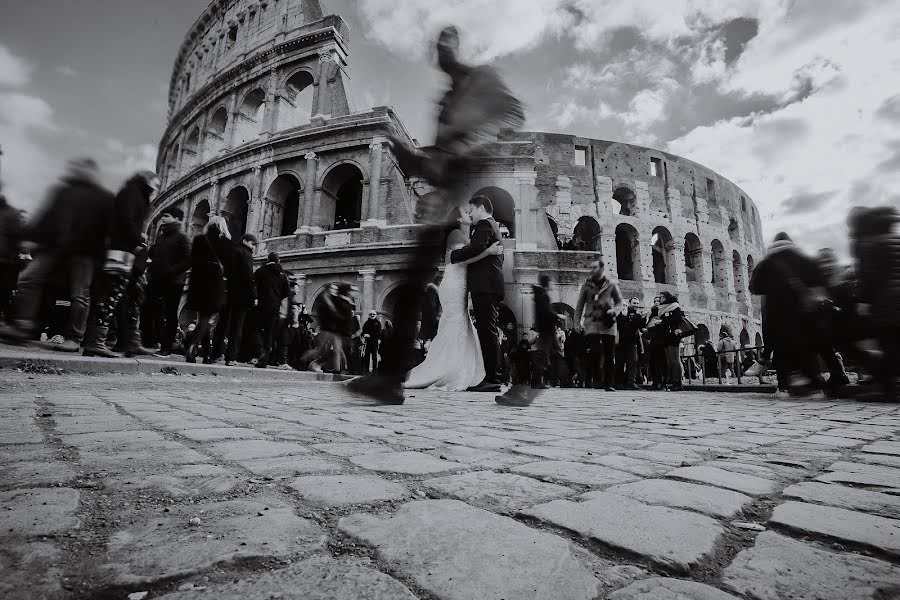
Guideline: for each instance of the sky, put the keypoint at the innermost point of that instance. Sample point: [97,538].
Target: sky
[796,101]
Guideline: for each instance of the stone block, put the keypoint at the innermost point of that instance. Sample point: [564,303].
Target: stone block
[498,492]
[664,588]
[739,482]
[239,450]
[883,447]
[878,533]
[886,505]
[678,494]
[338,490]
[409,463]
[575,472]
[38,511]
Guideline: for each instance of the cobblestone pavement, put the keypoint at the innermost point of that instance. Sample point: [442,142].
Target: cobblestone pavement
[205,487]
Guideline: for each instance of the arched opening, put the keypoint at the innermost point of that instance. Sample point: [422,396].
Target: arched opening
[389,306]
[237,203]
[504,209]
[758,340]
[720,264]
[586,234]
[296,104]
[191,156]
[172,163]
[693,258]
[628,252]
[565,313]
[283,206]
[342,198]
[625,199]
[738,271]
[744,338]
[215,132]
[663,249]
[250,117]
[733,230]
[199,218]
[750,266]
[507,322]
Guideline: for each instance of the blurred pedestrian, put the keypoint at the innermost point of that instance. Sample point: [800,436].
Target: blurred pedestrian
[599,303]
[726,352]
[630,323]
[70,232]
[211,255]
[272,287]
[170,259]
[241,299]
[10,245]
[671,317]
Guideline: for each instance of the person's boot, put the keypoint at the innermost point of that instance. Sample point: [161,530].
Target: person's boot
[130,341]
[95,343]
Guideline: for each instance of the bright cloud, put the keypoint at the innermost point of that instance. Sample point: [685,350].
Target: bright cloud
[14,71]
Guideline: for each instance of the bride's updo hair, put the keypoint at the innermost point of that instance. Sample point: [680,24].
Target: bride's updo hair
[451,224]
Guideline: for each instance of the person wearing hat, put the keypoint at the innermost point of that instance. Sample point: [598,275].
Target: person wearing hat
[170,259]
[272,287]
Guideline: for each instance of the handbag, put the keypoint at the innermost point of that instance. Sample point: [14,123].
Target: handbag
[687,328]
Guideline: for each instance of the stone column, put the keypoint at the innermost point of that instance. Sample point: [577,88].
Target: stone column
[214,198]
[306,215]
[641,199]
[527,295]
[368,290]
[370,208]
[322,104]
[255,204]
[679,267]
[301,292]
[526,208]
[201,143]
[273,100]
[232,122]
[608,251]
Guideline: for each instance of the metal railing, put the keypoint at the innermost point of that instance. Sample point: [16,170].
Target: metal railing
[721,365]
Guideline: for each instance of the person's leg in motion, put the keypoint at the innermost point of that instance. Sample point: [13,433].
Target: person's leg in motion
[22,322]
[608,343]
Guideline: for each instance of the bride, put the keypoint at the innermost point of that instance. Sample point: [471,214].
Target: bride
[454,362]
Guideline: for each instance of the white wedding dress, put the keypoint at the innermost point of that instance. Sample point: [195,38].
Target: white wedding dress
[454,361]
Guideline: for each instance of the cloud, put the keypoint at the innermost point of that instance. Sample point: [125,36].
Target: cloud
[66,71]
[14,71]
[807,202]
[890,109]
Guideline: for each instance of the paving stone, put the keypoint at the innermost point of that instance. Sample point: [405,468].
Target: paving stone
[552,452]
[872,531]
[167,546]
[38,511]
[887,460]
[481,459]
[338,490]
[666,458]
[874,476]
[438,543]
[178,487]
[886,505]
[778,567]
[884,447]
[673,539]
[219,433]
[350,448]
[631,465]
[409,463]
[290,466]
[828,440]
[30,571]
[318,578]
[239,450]
[575,472]
[498,492]
[28,474]
[665,588]
[678,494]
[739,482]
[738,467]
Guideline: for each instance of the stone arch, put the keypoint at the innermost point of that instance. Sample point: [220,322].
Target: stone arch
[665,264]
[758,340]
[237,205]
[296,103]
[738,273]
[191,153]
[199,218]
[693,258]
[554,229]
[744,338]
[250,117]
[315,302]
[215,131]
[505,318]
[587,232]
[628,252]
[625,200]
[719,264]
[172,162]
[750,266]
[504,208]
[282,202]
[566,312]
[734,232]
[391,296]
[341,206]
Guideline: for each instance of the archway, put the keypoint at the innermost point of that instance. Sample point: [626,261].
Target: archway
[744,338]
[750,266]
[199,218]
[738,272]
[172,163]
[693,258]
[554,228]
[283,200]
[508,323]
[504,209]
[389,306]
[720,264]
[734,230]
[663,251]
[628,253]
[296,104]
[215,132]
[237,203]
[342,197]
[758,340]
[190,154]
[250,117]
[625,198]
[586,234]
[566,314]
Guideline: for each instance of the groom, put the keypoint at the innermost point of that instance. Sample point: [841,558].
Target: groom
[485,282]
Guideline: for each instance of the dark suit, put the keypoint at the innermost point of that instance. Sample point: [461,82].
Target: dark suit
[485,282]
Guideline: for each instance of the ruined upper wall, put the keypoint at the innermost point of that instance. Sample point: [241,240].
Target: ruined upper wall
[230,31]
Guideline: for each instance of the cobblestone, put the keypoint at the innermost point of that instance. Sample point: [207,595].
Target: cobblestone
[205,487]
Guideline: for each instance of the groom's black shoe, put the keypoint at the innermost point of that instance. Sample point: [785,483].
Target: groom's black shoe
[485,386]
[380,389]
[518,395]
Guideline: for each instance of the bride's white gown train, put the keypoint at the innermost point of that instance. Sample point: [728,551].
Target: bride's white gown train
[454,360]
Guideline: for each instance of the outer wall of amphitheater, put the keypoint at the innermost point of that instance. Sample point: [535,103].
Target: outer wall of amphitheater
[260,131]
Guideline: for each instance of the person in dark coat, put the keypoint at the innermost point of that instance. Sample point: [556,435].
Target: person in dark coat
[670,316]
[599,302]
[241,298]
[70,232]
[10,242]
[371,333]
[272,287]
[875,242]
[122,277]
[629,349]
[170,259]
[785,277]
[211,255]
[574,352]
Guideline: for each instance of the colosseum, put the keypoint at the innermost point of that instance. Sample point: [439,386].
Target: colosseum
[260,131]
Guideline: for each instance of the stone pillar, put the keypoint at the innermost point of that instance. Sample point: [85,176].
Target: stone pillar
[370,209]
[273,100]
[179,159]
[232,122]
[368,290]
[608,251]
[189,206]
[201,143]
[214,198]
[301,292]
[677,255]
[322,104]
[641,199]
[526,209]
[646,253]
[309,196]
[527,295]
[255,206]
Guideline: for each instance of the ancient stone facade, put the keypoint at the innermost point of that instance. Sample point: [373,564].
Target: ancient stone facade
[261,132]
